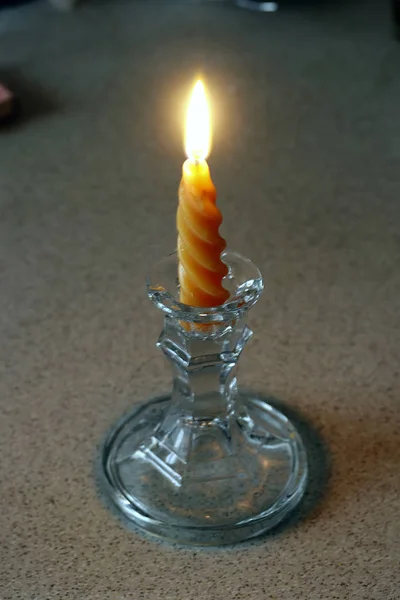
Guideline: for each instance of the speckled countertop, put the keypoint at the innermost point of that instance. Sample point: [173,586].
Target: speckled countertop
[307,163]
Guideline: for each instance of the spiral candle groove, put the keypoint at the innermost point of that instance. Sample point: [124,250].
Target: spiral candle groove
[200,244]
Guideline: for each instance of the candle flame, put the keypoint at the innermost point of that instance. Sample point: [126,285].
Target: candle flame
[198,125]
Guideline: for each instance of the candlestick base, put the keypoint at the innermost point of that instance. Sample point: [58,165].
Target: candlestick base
[206,464]
[225,491]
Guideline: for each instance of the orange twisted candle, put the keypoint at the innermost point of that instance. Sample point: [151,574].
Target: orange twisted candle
[200,245]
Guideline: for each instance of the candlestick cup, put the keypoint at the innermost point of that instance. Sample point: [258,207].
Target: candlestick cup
[206,464]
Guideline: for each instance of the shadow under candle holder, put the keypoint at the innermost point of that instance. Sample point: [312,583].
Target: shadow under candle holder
[319,464]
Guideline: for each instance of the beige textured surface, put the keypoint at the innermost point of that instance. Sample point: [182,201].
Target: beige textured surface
[307,164]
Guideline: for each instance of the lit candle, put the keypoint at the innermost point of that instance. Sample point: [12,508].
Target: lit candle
[200,245]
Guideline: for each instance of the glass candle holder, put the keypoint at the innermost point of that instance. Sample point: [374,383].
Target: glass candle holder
[206,464]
